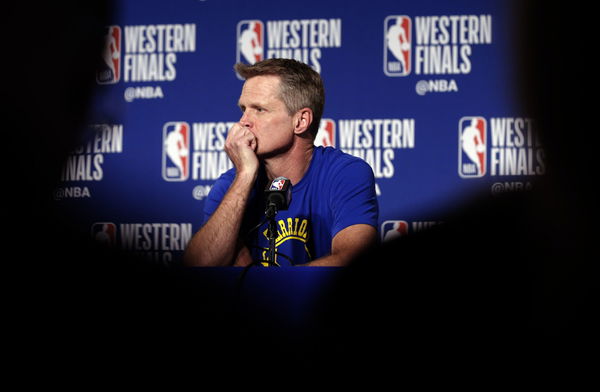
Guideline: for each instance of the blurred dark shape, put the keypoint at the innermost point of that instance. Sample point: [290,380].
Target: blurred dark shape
[498,275]
[503,272]
[554,53]
[50,51]
[66,294]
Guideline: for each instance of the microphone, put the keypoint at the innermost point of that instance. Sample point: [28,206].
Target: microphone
[278,195]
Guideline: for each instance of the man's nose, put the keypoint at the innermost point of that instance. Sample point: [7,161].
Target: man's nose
[245,121]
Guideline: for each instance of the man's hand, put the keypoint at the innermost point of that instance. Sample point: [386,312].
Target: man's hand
[215,244]
[241,146]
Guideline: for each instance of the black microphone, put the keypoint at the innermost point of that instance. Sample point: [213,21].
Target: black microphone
[279,196]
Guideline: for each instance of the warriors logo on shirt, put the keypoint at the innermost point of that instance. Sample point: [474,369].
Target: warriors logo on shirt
[292,233]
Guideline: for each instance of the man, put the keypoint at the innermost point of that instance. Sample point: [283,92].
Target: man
[333,213]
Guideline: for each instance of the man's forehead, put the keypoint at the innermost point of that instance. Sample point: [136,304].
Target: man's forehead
[263,87]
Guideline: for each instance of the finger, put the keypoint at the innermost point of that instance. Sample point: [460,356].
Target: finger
[251,138]
[236,129]
[253,142]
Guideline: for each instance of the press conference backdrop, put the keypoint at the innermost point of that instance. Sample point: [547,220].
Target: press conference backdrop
[425,92]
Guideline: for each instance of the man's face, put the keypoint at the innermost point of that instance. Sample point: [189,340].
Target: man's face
[265,115]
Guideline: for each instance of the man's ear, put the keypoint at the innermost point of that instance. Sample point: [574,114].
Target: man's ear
[302,120]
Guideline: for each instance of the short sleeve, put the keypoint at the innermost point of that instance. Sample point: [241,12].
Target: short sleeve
[353,199]
[216,194]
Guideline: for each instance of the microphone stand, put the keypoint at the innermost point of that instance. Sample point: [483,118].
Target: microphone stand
[271,233]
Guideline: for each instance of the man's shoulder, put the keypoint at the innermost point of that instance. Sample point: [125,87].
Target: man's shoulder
[334,159]
[335,155]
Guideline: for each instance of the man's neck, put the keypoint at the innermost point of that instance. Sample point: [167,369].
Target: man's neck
[293,164]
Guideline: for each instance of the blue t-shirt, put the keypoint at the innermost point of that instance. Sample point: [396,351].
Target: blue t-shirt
[337,191]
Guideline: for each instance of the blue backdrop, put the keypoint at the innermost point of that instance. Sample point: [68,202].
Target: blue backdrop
[424,91]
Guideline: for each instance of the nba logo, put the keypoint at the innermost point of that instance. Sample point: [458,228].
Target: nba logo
[393,229]
[472,147]
[326,134]
[110,70]
[277,185]
[396,48]
[104,233]
[176,149]
[250,41]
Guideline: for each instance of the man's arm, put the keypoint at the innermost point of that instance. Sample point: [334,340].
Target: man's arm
[347,245]
[352,200]
[216,243]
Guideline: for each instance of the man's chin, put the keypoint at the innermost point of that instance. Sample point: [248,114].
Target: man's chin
[262,155]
